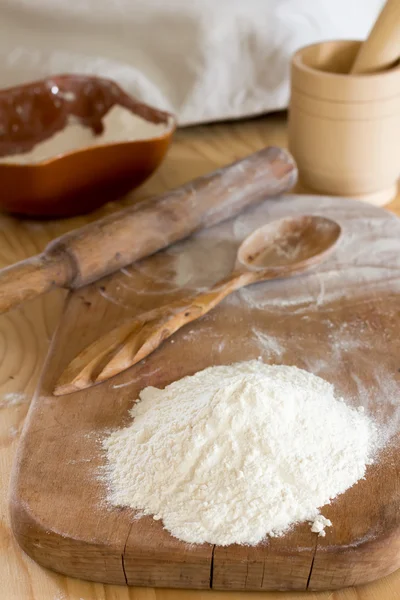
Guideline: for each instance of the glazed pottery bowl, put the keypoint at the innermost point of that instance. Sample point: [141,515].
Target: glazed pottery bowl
[83,179]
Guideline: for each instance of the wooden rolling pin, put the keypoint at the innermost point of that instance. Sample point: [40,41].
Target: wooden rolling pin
[381,49]
[102,247]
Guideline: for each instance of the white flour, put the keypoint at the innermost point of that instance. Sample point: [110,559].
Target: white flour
[13,399]
[237,453]
[120,125]
[319,524]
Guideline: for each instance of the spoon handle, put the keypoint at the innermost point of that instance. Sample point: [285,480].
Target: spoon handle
[128,344]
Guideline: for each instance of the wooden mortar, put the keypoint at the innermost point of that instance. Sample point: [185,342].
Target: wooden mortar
[344,130]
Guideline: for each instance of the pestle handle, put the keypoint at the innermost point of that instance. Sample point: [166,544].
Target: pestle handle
[382,47]
[102,247]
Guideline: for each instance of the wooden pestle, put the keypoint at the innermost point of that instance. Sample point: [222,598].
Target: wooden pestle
[381,49]
[102,247]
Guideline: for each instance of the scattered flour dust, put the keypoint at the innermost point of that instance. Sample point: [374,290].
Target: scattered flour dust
[120,125]
[12,399]
[236,453]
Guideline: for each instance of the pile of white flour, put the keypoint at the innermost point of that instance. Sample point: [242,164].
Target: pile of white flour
[120,125]
[237,453]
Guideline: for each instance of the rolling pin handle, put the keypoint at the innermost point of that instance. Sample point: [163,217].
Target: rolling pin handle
[29,278]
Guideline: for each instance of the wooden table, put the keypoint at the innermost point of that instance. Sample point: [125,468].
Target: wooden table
[24,340]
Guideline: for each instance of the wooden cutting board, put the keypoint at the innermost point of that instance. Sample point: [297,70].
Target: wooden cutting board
[341,322]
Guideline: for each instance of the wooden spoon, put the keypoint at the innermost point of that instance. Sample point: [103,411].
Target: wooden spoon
[280,249]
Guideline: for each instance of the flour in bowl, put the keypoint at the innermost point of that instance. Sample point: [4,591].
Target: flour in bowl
[120,125]
[236,453]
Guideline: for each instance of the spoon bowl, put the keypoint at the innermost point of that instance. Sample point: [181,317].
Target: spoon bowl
[292,241]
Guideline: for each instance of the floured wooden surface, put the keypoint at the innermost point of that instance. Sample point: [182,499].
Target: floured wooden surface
[341,322]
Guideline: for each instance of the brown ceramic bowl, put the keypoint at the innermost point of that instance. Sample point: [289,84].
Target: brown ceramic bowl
[81,180]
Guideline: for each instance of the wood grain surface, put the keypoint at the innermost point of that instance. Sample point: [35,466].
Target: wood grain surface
[24,342]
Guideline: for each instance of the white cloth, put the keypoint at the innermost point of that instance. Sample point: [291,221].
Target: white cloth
[204,60]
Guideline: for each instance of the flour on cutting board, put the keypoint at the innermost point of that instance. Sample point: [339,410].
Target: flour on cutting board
[241,459]
[117,386]
[319,524]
